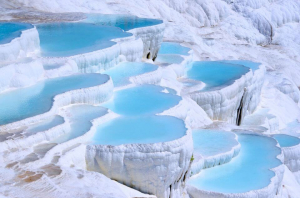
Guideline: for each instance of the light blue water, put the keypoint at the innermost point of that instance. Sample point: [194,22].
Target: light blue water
[142,100]
[173,48]
[213,142]
[169,58]
[37,99]
[248,171]
[139,130]
[215,74]
[9,31]
[68,39]
[125,22]
[80,120]
[45,125]
[120,74]
[286,140]
[246,63]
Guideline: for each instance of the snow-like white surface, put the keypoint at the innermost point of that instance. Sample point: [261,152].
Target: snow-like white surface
[223,104]
[215,30]
[28,44]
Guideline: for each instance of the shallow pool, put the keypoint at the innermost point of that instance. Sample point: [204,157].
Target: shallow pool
[120,74]
[215,74]
[286,140]
[44,125]
[37,99]
[246,63]
[213,142]
[139,130]
[125,22]
[80,120]
[169,58]
[248,171]
[173,48]
[142,100]
[9,31]
[68,39]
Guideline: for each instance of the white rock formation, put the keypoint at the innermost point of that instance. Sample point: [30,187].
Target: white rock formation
[159,168]
[201,162]
[269,191]
[28,44]
[234,101]
[91,95]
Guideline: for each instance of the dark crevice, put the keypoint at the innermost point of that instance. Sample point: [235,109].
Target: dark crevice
[154,58]
[148,55]
[240,111]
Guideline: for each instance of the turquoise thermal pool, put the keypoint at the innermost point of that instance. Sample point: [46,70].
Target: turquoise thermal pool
[215,74]
[120,74]
[125,22]
[246,63]
[9,31]
[45,125]
[68,39]
[142,100]
[37,99]
[250,170]
[80,120]
[139,130]
[169,58]
[286,140]
[212,142]
[173,48]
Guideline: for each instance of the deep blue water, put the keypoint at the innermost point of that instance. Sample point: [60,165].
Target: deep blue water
[9,31]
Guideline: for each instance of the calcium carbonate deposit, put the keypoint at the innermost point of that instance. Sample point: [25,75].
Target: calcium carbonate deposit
[150,99]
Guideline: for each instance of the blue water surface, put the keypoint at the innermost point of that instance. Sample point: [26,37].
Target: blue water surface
[169,58]
[120,74]
[37,99]
[246,63]
[142,100]
[125,22]
[45,125]
[81,117]
[68,39]
[173,48]
[286,140]
[9,31]
[215,74]
[209,142]
[248,171]
[139,130]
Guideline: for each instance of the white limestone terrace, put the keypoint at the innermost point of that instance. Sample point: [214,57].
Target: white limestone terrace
[212,148]
[228,180]
[144,42]
[137,73]
[232,101]
[215,30]
[174,57]
[290,146]
[90,93]
[18,40]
